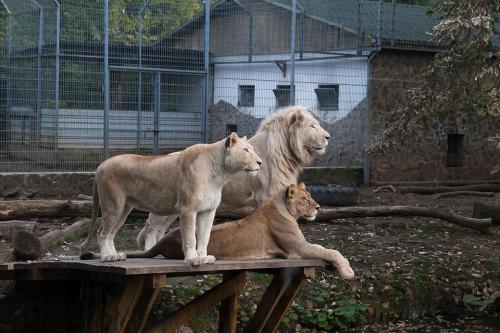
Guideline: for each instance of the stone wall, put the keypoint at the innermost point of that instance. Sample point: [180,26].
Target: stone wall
[424,156]
[346,143]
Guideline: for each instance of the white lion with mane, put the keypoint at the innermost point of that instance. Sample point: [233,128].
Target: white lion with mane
[285,141]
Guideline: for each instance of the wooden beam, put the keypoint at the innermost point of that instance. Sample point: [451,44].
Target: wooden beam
[199,305]
[292,289]
[150,291]
[228,312]
[109,307]
[277,299]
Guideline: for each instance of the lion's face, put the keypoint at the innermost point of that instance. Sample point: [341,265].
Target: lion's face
[240,155]
[300,203]
[312,136]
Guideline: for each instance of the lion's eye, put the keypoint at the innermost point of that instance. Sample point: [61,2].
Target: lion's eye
[246,149]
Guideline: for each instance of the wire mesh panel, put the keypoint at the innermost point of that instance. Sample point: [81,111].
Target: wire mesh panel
[60,112]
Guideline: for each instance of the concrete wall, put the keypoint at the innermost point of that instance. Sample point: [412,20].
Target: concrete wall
[345,147]
[423,157]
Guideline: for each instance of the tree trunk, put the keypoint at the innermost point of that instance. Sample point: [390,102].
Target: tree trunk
[352,212]
[329,213]
[26,209]
[29,209]
[442,189]
[482,210]
[464,194]
[75,230]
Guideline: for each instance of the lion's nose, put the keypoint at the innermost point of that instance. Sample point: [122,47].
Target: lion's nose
[259,163]
[317,206]
[327,136]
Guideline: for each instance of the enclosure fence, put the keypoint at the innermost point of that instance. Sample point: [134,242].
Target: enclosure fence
[81,81]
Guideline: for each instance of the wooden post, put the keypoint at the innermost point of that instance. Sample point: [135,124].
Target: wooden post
[200,304]
[109,308]
[277,299]
[150,291]
[228,311]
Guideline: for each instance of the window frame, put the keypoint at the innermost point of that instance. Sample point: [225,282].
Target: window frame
[246,88]
[321,92]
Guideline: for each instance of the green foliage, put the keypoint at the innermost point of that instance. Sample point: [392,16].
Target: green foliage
[82,22]
[160,18]
[345,314]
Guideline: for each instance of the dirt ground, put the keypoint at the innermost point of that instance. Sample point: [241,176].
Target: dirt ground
[413,274]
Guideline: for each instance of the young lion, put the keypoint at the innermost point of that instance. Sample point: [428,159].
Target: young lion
[187,184]
[270,231]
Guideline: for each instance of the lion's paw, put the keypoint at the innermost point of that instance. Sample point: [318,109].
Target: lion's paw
[193,261]
[345,270]
[114,257]
[207,260]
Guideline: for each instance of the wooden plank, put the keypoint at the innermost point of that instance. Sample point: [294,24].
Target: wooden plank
[292,289]
[228,311]
[266,305]
[159,266]
[199,305]
[142,309]
[277,299]
[120,307]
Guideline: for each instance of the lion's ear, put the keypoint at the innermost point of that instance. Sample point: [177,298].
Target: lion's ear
[290,191]
[297,117]
[302,186]
[231,139]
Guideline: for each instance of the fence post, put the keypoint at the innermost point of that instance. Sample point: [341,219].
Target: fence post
[106,80]
[206,59]
[393,21]
[9,69]
[39,71]
[292,52]
[156,119]
[58,49]
[139,90]
[359,28]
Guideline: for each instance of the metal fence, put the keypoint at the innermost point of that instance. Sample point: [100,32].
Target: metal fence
[84,80]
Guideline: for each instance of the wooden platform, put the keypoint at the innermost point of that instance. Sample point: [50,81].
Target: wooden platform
[119,296]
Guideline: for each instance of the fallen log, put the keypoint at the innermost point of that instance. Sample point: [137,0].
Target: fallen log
[464,194]
[330,213]
[353,212]
[482,210]
[442,189]
[8,229]
[29,247]
[73,231]
[29,209]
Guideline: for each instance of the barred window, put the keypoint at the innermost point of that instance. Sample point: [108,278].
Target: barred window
[282,94]
[328,96]
[246,95]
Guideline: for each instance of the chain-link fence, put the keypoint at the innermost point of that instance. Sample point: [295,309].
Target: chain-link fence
[84,80]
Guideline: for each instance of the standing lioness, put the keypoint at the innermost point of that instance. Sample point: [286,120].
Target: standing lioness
[270,231]
[187,184]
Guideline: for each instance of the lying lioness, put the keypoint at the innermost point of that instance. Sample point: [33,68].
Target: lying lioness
[187,184]
[270,231]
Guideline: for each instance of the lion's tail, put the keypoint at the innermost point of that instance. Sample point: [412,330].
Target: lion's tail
[95,212]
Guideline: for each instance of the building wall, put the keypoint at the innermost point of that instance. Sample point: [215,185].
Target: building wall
[424,156]
[229,32]
[349,73]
